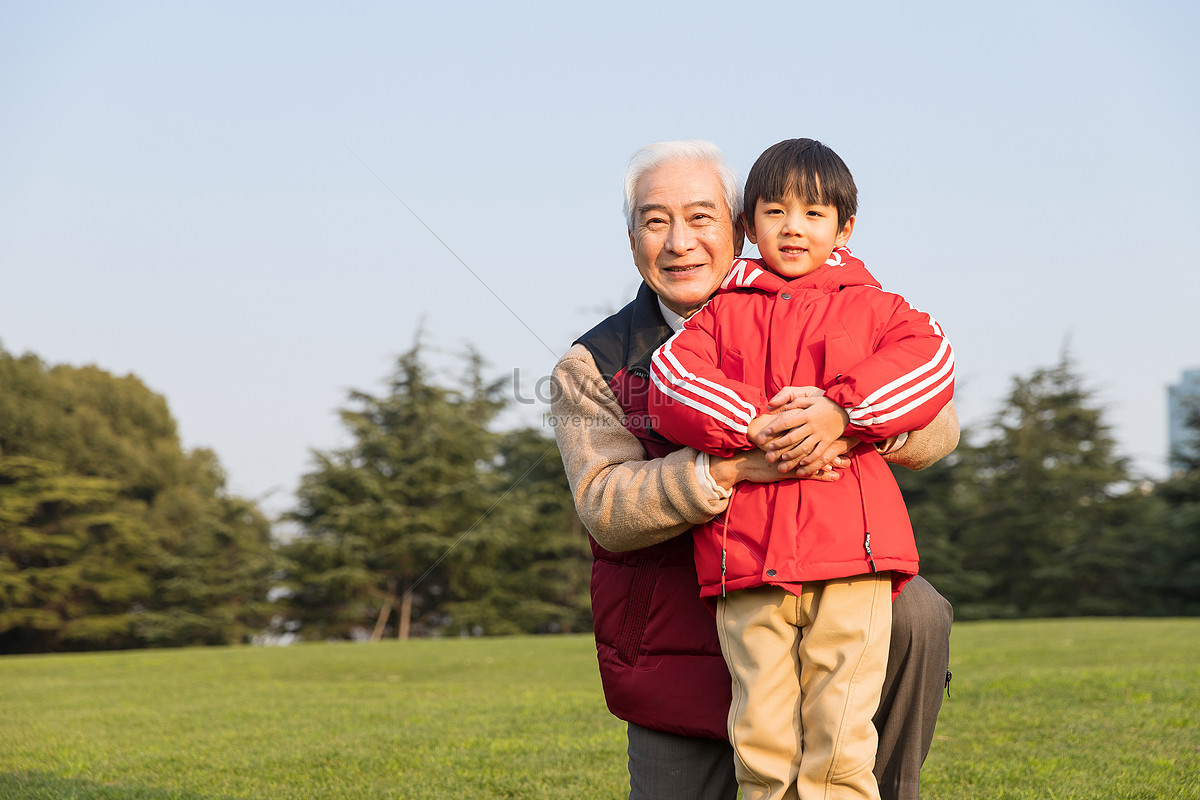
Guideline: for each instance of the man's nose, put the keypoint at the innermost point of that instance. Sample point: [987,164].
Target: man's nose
[681,239]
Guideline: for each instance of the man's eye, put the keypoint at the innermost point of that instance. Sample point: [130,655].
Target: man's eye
[701,218]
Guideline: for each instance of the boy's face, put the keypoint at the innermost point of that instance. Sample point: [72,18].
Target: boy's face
[795,237]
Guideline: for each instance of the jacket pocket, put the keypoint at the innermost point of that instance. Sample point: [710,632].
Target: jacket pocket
[841,354]
[637,612]
[733,365]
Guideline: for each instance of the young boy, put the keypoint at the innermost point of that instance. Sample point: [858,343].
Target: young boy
[803,572]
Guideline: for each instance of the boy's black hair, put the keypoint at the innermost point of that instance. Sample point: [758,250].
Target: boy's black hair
[802,168]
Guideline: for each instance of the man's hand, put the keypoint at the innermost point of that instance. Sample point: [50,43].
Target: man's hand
[830,458]
[752,465]
[801,428]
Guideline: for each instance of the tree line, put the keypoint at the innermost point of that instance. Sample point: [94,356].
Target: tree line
[433,521]
[111,536]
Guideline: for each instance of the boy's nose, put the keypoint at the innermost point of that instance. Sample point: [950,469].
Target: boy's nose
[791,224]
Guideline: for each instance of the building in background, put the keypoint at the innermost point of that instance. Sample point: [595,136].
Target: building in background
[1182,399]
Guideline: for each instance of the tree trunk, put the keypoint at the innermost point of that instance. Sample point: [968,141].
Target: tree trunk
[406,604]
[385,611]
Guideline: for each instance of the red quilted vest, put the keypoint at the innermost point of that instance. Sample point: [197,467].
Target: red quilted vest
[660,659]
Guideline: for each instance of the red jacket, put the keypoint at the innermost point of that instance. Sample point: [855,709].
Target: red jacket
[886,363]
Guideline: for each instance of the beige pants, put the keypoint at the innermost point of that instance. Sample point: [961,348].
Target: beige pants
[807,674]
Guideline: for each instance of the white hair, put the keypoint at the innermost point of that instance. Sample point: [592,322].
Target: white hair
[653,156]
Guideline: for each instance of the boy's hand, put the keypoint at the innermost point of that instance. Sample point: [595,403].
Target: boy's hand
[754,431]
[789,395]
[803,430]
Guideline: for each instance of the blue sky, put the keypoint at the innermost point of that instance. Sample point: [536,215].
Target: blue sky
[209,195]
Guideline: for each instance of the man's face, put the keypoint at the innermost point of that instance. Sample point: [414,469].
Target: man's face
[683,237]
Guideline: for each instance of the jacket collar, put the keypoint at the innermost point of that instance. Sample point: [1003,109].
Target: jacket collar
[841,269]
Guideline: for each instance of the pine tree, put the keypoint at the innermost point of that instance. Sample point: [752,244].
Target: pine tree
[74,560]
[110,534]
[943,506]
[1051,528]
[217,566]
[380,518]
[530,573]
[1169,547]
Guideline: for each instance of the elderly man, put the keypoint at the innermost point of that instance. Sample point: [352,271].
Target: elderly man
[638,495]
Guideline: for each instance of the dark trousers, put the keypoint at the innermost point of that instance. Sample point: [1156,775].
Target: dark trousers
[664,766]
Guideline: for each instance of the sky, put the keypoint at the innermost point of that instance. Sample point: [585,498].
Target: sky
[255,207]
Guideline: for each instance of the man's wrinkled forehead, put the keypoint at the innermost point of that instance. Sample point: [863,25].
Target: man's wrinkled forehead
[681,185]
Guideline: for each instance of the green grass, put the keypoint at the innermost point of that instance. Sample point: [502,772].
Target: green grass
[1089,708]
[1045,709]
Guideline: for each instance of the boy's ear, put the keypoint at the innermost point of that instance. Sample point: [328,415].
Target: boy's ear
[739,236]
[747,227]
[844,235]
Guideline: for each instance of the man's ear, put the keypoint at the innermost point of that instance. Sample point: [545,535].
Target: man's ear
[746,227]
[632,244]
[844,235]
[739,236]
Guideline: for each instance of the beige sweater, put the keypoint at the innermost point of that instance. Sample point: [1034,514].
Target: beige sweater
[628,502]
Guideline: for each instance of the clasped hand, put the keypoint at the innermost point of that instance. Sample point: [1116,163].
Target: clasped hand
[803,432]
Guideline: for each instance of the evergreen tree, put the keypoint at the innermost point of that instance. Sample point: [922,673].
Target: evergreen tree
[217,564]
[74,559]
[380,518]
[104,520]
[1055,505]
[943,505]
[531,574]
[1169,547]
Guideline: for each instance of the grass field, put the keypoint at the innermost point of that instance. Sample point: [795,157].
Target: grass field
[1039,709]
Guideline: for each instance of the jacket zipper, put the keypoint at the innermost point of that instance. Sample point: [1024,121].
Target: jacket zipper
[866,520]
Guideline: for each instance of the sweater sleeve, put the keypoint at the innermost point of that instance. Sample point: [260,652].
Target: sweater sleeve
[930,444]
[906,380]
[625,500]
[692,401]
